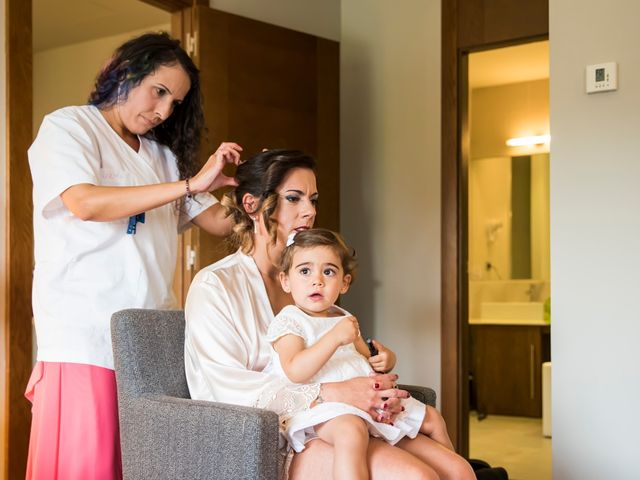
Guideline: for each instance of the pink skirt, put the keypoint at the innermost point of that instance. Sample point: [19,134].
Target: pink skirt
[74,426]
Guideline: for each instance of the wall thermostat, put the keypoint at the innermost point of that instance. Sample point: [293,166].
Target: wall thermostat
[602,77]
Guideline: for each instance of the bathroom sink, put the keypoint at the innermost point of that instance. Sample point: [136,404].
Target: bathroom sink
[512,312]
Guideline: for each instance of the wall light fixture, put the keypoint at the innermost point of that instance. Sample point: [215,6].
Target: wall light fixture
[529,141]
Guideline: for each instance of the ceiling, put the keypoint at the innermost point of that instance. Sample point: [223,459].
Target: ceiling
[501,66]
[62,22]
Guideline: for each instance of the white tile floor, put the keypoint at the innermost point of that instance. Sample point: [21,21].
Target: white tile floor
[515,443]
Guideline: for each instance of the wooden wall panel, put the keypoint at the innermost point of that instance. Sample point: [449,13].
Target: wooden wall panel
[488,22]
[327,134]
[269,87]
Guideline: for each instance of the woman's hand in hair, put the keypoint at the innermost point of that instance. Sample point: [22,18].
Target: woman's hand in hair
[210,177]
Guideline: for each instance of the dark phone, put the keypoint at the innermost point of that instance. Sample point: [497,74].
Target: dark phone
[372,350]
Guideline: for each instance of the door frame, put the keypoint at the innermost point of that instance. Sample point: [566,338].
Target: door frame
[467,25]
[17,349]
[19,236]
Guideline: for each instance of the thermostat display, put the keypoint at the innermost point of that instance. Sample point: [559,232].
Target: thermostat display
[602,77]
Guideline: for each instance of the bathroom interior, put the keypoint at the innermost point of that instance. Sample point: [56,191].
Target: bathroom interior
[509,307]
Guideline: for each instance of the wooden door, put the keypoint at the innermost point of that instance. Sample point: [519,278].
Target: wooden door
[264,87]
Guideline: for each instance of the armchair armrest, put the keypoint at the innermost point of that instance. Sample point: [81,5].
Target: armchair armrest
[172,437]
[425,394]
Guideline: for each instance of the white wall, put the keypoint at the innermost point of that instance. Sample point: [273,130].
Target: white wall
[3,260]
[320,18]
[595,246]
[65,75]
[390,175]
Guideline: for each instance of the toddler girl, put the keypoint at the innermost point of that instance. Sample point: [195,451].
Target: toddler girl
[317,341]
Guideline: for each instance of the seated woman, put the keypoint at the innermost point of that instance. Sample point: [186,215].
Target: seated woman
[231,303]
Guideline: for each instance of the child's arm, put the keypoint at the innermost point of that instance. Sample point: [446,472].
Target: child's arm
[299,363]
[361,347]
[383,362]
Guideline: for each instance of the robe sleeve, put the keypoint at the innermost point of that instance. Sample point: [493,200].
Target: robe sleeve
[221,340]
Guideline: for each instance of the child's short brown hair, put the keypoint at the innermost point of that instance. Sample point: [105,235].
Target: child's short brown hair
[321,237]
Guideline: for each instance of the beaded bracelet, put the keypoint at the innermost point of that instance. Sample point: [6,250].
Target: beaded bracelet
[186,184]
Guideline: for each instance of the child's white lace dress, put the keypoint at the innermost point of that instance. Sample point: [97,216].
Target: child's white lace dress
[346,363]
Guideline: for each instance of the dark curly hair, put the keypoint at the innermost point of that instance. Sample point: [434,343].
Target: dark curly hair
[130,64]
[260,176]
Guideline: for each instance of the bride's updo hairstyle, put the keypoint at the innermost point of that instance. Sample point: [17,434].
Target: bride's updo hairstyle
[260,176]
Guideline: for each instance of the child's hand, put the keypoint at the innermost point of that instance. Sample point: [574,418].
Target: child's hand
[346,330]
[384,361]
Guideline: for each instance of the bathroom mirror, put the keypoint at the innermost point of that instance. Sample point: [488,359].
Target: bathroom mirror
[509,217]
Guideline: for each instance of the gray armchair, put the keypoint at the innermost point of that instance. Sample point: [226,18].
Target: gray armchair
[165,434]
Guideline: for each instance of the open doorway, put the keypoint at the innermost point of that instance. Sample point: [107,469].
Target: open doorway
[508,258]
[71,41]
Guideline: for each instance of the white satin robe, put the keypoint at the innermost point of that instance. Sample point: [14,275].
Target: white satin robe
[227,316]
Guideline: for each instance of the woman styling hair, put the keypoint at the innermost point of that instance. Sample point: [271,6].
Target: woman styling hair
[114,182]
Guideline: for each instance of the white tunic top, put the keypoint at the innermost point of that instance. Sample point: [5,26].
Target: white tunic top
[346,363]
[85,270]
[227,315]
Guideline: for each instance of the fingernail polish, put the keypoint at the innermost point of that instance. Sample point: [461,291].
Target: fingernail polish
[376,385]
[391,423]
[403,409]
[384,406]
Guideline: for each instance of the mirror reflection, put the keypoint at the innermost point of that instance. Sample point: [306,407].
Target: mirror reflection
[509,217]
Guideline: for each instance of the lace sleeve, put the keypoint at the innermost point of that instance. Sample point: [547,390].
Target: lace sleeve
[284,325]
[282,396]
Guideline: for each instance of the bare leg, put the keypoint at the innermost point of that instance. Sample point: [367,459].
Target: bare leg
[350,438]
[434,427]
[447,463]
[385,463]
